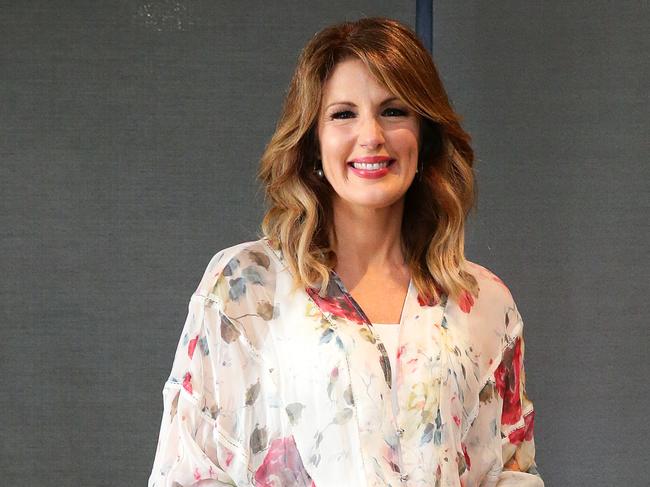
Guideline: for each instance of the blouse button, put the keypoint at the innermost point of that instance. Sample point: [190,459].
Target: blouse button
[400,432]
[404,477]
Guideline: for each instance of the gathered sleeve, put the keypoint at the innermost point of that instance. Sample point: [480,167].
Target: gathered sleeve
[517,417]
[193,448]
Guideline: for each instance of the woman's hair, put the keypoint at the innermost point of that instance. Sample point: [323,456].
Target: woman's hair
[299,219]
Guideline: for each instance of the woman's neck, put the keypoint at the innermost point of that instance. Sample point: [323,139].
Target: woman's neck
[368,239]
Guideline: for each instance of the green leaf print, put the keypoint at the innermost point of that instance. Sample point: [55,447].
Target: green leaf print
[487,393]
[437,437]
[237,288]
[294,411]
[334,376]
[385,367]
[265,310]
[229,333]
[260,258]
[326,336]
[258,439]
[343,416]
[462,464]
[367,334]
[347,395]
[427,434]
[231,267]
[252,392]
[203,345]
[252,275]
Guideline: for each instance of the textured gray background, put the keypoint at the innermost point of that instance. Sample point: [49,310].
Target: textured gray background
[129,137]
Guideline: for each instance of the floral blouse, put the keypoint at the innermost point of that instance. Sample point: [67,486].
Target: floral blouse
[271,388]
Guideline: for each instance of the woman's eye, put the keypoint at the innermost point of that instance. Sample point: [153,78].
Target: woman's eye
[392,112]
[340,114]
[396,111]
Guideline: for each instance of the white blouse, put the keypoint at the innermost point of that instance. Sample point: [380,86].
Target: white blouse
[389,333]
[275,387]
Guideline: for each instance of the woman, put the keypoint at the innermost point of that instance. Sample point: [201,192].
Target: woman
[353,344]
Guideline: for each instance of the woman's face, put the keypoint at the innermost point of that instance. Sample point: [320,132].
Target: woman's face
[359,119]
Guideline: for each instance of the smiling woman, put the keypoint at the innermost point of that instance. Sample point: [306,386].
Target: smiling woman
[366,89]
[281,377]
[368,145]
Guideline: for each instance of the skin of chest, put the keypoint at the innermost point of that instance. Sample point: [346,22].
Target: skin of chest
[380,296]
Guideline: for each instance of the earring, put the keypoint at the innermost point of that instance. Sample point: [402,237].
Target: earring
[318,170]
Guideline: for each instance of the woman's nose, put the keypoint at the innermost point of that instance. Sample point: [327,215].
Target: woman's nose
[371,133]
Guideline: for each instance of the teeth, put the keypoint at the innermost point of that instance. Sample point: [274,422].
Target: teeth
[370,166]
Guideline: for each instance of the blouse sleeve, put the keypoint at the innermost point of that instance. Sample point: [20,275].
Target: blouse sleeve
[191,450]
[517,418]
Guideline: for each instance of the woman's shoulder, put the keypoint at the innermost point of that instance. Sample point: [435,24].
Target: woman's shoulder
[495,303]
[253,262]
[491,286]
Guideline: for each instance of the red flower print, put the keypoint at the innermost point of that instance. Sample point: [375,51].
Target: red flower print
[508,382]
[466,301]
[336,302]
[467,461]
[187,382]
[529,421]
[192,345]
[426,300]
[498,280]
[525,432]
[282,466]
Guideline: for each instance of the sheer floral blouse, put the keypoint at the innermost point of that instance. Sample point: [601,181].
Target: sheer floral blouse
[273,388]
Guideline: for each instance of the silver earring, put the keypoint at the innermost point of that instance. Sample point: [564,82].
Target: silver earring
[319,170]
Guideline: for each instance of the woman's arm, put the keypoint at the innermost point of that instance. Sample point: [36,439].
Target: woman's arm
[517,419]
[189,450]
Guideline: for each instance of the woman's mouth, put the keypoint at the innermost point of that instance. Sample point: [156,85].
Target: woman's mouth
[371,166]
[370,170]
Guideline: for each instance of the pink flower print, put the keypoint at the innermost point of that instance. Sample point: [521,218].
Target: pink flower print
[466,301]
[282,466]
[192,345]
[229,457]
[187,382]
[507,377]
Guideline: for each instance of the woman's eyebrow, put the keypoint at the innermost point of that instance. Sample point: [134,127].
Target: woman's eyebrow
[349,103]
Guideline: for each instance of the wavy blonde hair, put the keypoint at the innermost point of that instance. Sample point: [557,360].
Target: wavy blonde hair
[299,219]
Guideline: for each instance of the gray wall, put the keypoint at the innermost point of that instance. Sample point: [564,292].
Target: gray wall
[129,137]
